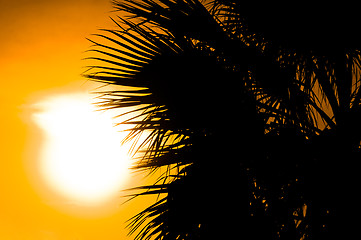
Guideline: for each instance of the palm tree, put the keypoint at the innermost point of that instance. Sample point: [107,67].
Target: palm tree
[254,125]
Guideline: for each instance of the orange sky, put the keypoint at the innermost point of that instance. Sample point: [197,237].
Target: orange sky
[41,46]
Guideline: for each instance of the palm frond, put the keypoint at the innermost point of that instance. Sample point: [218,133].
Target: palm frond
[179,74]
[193,77]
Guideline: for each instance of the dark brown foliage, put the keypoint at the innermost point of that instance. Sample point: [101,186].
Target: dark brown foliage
[252,112]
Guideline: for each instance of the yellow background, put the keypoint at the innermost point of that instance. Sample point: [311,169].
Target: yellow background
[42,43]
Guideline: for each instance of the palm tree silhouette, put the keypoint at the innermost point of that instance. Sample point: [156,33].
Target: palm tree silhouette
[253,123]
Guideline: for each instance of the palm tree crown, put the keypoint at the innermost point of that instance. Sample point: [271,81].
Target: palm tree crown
[251,112]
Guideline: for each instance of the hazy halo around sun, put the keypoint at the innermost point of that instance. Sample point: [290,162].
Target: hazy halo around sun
[81,157]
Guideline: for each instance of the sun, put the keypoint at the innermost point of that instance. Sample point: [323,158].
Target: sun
[81,157]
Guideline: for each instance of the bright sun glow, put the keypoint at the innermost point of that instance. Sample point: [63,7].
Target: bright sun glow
[82,157]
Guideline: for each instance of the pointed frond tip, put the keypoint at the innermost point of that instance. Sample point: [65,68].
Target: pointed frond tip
[233,121]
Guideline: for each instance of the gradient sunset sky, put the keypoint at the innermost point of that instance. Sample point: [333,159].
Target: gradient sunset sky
[41,46]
